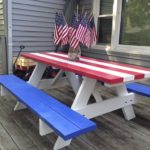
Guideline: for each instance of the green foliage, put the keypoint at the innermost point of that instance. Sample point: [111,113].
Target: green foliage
[138,12]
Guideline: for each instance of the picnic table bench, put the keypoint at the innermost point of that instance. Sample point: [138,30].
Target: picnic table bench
[64,121]
[139,88]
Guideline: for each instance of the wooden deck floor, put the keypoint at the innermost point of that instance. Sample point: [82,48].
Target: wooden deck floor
[19,130]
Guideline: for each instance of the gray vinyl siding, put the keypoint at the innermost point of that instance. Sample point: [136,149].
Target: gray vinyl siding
[1,32]
[136,59]
[1,65]
[2,39]
[2,29]
[33,24]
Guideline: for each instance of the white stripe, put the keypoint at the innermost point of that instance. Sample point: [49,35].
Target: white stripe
[126,77]
[146,73]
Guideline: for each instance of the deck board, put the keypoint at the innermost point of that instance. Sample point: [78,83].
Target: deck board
[5,140]
[15,132]
[20,129]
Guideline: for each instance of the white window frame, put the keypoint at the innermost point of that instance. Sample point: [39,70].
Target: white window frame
[116,23]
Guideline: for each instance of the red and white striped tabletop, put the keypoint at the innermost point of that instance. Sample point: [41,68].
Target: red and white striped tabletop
[106,71]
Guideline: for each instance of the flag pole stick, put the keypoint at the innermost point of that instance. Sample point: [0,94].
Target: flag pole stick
[77,11]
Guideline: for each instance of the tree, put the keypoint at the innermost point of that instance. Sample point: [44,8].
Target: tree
[138,12]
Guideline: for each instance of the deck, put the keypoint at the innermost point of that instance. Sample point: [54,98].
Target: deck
[19,130]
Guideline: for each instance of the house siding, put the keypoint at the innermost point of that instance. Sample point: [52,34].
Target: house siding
[2,29]
[2,39]
[33,24]
[1,32]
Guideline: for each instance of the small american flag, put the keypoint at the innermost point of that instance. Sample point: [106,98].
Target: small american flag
[90,36]
[74,42]
[58,28]
[93,31]
[87,36]
[82,29]
[61,30]
[64,37]
[65,32]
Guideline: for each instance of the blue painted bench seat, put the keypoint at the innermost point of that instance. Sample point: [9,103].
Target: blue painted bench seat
[139,88]
[63,120]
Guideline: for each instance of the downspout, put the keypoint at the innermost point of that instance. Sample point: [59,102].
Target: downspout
[69,8]
[9,37]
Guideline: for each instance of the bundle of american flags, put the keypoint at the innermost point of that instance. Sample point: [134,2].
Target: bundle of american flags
[61,30]
[81,31]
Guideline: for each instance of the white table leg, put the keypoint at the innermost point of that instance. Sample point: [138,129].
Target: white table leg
[34,80]
[74,81]
[97,96]
[84,93]
[81,100]
[100,108]
[128,111]
[37,74]
[58,76]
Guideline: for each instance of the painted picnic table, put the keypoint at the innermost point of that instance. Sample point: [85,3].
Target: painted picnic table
[112,74]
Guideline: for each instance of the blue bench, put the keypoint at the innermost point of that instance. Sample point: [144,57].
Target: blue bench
[139,88]
[63,120]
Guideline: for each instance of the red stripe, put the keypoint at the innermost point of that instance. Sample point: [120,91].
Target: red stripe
[111,79]
[74,42]
[115,63]
[80,33]
[136,74]
[87,38]
[118,64]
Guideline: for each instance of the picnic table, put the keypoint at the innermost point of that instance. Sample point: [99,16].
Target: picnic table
[83,76]
[112,74]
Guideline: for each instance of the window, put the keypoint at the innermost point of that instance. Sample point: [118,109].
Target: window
[104,17]
[135,23]
[122,24]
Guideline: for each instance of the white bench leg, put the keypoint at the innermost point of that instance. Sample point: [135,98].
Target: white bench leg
[60,143]
[19,106]
[3,91]
[128,111]
[44,129]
